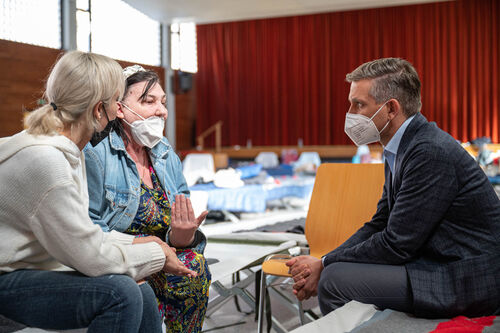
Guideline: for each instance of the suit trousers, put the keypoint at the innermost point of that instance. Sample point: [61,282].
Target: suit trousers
[385,286]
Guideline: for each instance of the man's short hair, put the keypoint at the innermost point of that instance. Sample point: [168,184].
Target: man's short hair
[392,78]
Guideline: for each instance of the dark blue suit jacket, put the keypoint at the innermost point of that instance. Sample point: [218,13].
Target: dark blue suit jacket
[440,217]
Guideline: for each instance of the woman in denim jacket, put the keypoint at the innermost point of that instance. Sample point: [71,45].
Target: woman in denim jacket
[135,185]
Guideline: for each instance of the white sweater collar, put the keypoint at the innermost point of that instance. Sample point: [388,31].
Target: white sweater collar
[10,146]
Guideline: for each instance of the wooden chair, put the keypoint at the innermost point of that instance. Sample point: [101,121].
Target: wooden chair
[344,197]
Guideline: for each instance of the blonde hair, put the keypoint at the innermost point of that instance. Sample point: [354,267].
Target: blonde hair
[75,85]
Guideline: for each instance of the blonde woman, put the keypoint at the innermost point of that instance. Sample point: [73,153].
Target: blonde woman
[58,270]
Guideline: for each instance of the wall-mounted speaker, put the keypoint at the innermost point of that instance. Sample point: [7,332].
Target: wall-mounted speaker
[184,81]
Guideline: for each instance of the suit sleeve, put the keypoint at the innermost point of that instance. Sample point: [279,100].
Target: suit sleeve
[428,187]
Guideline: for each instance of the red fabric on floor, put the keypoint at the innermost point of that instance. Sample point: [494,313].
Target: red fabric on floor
[463,324]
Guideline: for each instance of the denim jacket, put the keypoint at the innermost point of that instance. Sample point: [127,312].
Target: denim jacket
[114,185]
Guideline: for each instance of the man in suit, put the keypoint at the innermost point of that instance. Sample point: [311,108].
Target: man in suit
[433,246]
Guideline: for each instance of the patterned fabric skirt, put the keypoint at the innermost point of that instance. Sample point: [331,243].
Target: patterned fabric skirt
[182,301]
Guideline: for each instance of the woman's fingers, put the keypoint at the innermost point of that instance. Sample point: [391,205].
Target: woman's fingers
[190,212]
[180,207]
[182,211]
[184,271]
[185,212]
[180,201]
[177,211]
[201,218]
[147,239]
[173,265]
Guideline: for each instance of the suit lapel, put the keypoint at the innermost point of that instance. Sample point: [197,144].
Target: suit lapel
[393,184]
[388,185]
[408,136]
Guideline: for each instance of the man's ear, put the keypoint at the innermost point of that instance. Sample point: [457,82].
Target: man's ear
[395,108]
[96,110]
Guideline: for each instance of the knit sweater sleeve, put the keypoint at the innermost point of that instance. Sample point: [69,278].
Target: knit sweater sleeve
[62,225]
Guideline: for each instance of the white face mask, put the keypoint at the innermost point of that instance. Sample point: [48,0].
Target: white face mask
[361,129]
[147,132]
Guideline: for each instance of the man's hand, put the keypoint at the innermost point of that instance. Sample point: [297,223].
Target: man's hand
[306,271]
[183,223]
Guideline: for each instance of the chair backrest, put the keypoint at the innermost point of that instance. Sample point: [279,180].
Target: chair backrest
[268,159]
[196,166]
[308,157]
[344,197]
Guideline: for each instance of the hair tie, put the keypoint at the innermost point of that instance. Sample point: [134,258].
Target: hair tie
[54,106]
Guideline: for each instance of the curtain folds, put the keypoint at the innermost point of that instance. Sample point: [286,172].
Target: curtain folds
[275,81]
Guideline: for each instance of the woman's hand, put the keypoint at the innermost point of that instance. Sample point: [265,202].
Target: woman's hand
[173,265]
[183,223]
[147,239]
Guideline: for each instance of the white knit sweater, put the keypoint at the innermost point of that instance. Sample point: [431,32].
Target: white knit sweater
[44,221]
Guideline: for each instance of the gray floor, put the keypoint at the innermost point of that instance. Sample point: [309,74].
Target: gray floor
[228,319]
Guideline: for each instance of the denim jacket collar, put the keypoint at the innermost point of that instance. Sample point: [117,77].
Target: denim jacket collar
[159,151]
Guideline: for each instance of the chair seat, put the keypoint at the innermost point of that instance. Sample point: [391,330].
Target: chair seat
[276,267]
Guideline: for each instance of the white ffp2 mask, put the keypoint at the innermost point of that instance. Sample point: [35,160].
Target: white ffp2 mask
[361,129]
[147,132]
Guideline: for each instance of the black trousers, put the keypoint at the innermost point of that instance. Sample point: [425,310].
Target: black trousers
[386,286]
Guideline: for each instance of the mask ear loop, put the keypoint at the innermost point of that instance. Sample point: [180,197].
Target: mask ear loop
[380,108]
[138,115]
[383,128]
[105,112]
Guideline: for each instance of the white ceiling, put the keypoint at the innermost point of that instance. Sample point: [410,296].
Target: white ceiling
[211,11]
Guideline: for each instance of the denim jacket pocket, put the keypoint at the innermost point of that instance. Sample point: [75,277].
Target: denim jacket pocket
[117,199]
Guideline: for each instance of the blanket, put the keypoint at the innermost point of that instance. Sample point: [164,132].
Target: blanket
[394,321]
[356,317]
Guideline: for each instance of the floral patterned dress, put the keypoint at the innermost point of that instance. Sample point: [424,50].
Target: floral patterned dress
[182,301]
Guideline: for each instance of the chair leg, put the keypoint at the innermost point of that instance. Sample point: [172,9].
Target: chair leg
[301,313]
[262,303]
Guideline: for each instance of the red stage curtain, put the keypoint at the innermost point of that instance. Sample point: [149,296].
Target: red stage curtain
[277,80]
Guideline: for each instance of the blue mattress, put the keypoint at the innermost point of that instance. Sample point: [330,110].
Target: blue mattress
[495,180]
[253,198]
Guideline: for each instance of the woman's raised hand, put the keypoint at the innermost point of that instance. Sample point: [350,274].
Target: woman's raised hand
[183,223]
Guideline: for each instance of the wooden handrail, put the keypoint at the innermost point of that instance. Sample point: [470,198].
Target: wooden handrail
[215,127]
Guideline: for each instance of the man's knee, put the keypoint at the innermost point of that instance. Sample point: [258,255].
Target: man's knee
[330,286]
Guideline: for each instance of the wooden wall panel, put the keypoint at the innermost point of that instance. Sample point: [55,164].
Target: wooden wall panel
[185,116]
[24,69]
